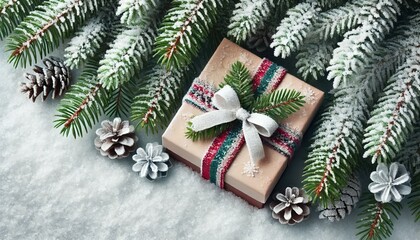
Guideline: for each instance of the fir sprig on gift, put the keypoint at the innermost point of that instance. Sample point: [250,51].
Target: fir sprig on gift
[240,80]
[278,104]
[376,218]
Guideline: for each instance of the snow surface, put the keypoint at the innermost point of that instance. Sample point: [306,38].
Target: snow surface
[52,187]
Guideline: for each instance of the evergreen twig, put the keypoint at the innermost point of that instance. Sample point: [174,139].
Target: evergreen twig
[83,104]
[414,199]
[12,12]
[46,27]
[184,28]
[159,94]
[376,218]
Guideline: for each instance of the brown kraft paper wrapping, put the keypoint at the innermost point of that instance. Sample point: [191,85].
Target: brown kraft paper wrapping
[257,189]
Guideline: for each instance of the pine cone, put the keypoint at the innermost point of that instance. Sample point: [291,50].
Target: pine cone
[390,184]
[339,209]
[116,139]
[261,40]
[151,163]
[292,207]
[55,77]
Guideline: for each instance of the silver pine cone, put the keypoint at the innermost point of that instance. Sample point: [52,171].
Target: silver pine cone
[151,163]
[116,139]
[54,77]
[339,209]
[390,184]
[291,207]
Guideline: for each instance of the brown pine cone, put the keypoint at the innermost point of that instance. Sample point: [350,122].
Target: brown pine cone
[291,207]
[116,139]
[54,77]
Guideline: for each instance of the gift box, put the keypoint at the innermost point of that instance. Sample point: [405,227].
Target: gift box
[254,183]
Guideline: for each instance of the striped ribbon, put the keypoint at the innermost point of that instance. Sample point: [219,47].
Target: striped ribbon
[226,146]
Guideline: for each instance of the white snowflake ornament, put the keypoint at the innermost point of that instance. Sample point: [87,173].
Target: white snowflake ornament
[152,163]
[250,169]
[390,184]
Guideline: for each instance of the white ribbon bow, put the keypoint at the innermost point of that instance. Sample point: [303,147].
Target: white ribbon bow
[253,124]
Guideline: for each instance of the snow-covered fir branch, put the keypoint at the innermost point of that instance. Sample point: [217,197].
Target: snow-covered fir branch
[378,18]
[337,21]
[248,17]
[394,116]
[377,218]
[337,143]
[12,12]
[185,27]
[90,38]
[410,155]
[161,91]
[325,4]
[294,28]
[83,104]
[138,12]
[313,58]
[46,27]
[127,55]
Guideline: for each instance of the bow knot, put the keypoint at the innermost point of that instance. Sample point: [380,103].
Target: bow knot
[242,114]
[229,109]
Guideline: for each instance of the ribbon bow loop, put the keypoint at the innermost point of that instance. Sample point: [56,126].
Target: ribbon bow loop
[229,109]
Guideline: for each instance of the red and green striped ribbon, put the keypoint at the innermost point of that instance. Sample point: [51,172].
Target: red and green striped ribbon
[226,146]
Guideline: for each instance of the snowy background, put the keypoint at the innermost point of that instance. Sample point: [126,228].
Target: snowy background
[53,187]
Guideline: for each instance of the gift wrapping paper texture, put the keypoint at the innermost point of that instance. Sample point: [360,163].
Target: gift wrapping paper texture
[258,188]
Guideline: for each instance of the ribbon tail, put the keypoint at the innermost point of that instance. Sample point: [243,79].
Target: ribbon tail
[211,119]
[265,125]
[253,142]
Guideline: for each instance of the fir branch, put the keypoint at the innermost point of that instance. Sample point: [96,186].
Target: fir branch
[12,12]
[185,27]
[334,149]
[90,38]
[376,218]
[83,104]
[410,154]
[313,58]
[46,27]
[394,115]
[138,12]
[336,144]
[335,22]
[414,199]
[240,80]
[294,28]
[325,4]
[126,56]
[120,99]
[248,17]
[279,104]
[378,18]
[159,94]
